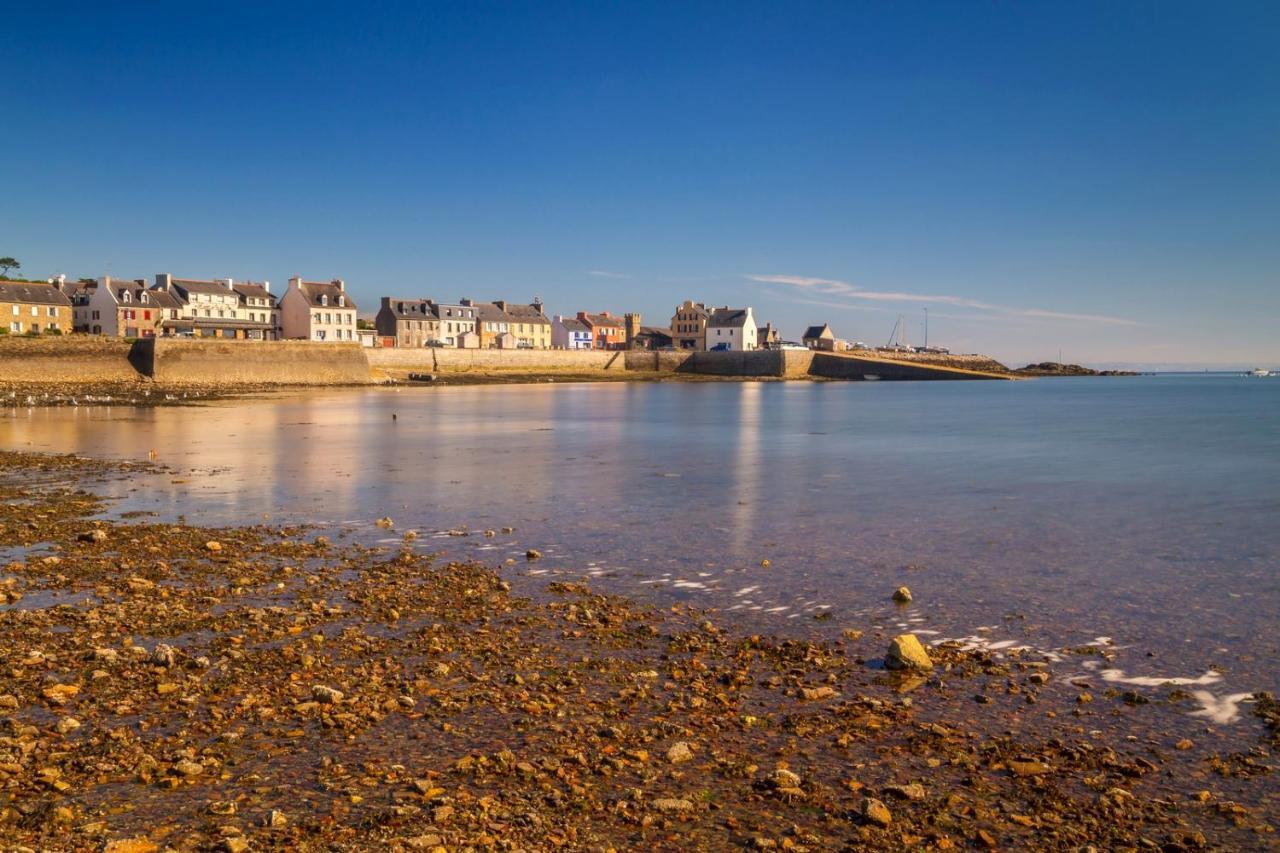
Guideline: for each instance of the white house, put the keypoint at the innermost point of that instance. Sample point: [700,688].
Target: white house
[731,329]
[318,311]
[570,333]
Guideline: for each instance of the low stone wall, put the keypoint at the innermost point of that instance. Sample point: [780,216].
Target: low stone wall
[67,359]
[845,366]
[178,361]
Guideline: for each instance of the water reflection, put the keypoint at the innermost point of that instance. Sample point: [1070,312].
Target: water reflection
[1057,510]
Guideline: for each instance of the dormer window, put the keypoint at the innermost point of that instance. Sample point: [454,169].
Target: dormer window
[342,301]
[126,297]
[324,299]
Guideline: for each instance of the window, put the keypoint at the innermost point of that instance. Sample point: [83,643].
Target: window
[15,310]
[53,312]
[35,312]
[324,299]
[15,327]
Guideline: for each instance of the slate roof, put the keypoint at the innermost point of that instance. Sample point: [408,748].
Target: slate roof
[413,309]
[817,332]
[313,290]
[573,324]
[602,320]
[728,318]
[249,290]
[191,285]
[527,314]
[37,294]
[163,298]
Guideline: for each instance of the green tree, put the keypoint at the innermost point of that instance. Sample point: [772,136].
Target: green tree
[7,264]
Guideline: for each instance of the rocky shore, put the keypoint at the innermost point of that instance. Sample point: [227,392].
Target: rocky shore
[169,686]
[1053,368]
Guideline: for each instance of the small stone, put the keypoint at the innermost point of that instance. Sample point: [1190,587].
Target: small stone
[60,694]
[95,535]
[872,810]
[222,807]
[905,652]
[139,844]
[913,791]
[1184,744]
[851,634]
[276,819]
[679,753]
[813,694]
[902,595]
[668,804]
[326,695]
[1038,678]
[213,546]
[1028,768]
[235,845]
[8,702]
[385,522]
[188,768]
[440,814]
[533,554]
[67,724]
[164,655]
[782,778]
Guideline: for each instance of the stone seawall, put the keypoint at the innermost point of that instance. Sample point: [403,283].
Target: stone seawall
[67,359]
[176,361]
[396,363]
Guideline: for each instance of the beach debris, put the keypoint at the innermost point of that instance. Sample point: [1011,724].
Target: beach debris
[385,522]
[902,595]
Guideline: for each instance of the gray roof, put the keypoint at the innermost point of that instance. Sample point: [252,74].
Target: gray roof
[38,294]
[573,324]
[313,290]
[527,314]
[818,332]
[250,290]
[191,285]
[602,320]
[728,317]
[413,309]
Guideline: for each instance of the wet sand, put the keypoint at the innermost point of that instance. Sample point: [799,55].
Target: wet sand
[263,687]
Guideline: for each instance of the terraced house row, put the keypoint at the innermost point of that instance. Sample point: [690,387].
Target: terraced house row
[218,308]
[465,324]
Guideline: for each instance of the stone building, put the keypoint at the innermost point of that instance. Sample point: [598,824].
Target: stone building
[29,307]
[318,311]
[689,325]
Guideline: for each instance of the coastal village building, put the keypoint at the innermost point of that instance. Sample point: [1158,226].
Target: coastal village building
[411,322]
[570,333]
[528,326]
[318,311]
[651,338]
[819,337]
[607,331]
[689,326]
[731,329]
[767,336]
[79,292]
[123,308]
[34,308]
[216,308]
[458,324]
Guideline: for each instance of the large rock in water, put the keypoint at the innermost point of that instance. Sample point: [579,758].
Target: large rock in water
[905,652]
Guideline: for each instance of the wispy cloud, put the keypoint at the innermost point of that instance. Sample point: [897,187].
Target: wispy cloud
[607,274]
[835,287]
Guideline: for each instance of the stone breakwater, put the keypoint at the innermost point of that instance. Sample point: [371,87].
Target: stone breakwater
[190,688]
[80,369]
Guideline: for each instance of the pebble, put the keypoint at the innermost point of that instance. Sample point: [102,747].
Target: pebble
[872,810]
[326,695]
[668,804]
[902,595]
[679,753]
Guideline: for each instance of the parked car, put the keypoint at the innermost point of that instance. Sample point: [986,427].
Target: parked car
[435,343]
[720,348]
[524,345]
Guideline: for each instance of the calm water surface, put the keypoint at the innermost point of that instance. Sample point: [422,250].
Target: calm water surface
[1043,514]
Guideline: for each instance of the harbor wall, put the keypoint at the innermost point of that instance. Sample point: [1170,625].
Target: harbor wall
[176,361]
[67,359]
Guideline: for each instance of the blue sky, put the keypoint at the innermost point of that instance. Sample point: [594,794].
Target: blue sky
[1102,178]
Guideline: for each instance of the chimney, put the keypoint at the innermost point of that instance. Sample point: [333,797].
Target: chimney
[537,305]
[164,281]
[466,301]
[386,302]
[340,284]
[501,304]
[295,282]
